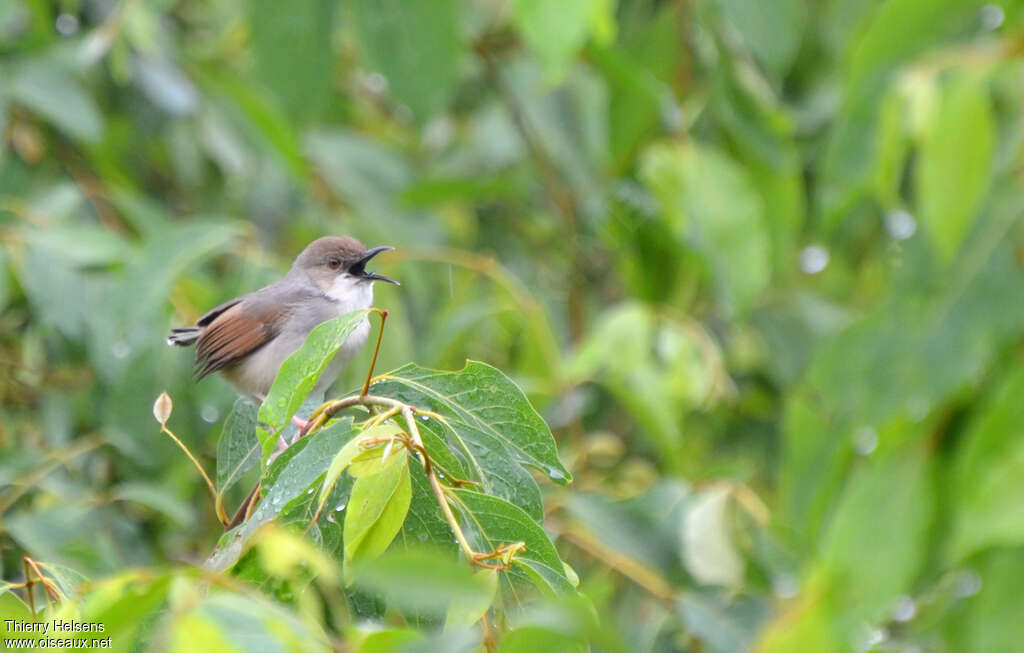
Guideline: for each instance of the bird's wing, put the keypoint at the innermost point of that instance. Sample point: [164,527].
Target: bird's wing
[233,331]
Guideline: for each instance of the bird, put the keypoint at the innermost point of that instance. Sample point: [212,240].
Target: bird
[247,338]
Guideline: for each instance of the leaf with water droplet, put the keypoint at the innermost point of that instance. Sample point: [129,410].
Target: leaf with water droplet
[487,428]
[300,371]
[377,508]
[238,449]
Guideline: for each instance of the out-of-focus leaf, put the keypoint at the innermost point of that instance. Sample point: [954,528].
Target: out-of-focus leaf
[483,405]
[45,88]
[238,449]
[293,52]
[955,163]
[166,85]
[707,544]
[891,502]
[988,620]
[389,641]
[526,639]
[708,197]
[398,37]
[989,474]
[466,610]
[234,622]
[376,509]
[300,371]
[158,497]
[80,244]
[771,29]
[54,290]
[722,627]
[555,31]
[423,581]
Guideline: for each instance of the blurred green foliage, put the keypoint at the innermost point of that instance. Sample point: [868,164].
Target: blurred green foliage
[757,262]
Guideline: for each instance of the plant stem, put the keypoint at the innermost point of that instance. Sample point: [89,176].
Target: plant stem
[206,477]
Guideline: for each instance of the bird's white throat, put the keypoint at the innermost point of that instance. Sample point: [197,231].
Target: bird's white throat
[352,293]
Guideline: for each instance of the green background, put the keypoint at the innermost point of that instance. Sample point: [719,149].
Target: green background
[757,262]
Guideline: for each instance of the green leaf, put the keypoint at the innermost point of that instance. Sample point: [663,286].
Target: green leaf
[555,30]
[989,474]
[300,371]
[376,510]
[955,167]
[772,29]
[293,52]
[491,522]
[292,476]
[396,39]
[82,245]
[484,408]
[238,449]
[894,497]
[423,581]
[466,610]
[710,199]
[989,621]
[45,88]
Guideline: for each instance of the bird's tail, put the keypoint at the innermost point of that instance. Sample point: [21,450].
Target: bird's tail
[184,336]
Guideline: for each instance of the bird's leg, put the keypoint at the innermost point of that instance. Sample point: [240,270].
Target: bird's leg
[299,423]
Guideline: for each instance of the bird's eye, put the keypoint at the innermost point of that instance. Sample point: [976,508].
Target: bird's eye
[334,263]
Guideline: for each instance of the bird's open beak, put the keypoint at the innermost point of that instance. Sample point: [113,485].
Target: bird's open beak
[373,276]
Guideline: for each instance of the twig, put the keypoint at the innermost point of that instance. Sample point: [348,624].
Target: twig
[206,477]
[376,349]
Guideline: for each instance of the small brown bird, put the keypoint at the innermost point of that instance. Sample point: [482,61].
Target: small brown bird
[249,337]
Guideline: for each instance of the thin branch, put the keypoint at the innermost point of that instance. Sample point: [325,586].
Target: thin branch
[206,477]
[376,349]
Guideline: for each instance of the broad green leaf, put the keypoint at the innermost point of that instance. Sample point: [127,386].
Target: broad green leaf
[373,458]
[491,522]
[293,475]
[893,497]
[82,245]
[709,198]
[389,641]
[723,628]
[423,581]
[527,639]
[293,52]
[555,31]
[353,451]
[201,634]
[300,371]
[396,39]
[772,29]
[425,525]
[465,611]
[124,603]
[238,449]
[47,89]
[243,622]
[469,453]
[989,474]
[376,510]
[484,408]
[157,496]
[989,621]
[955,163]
